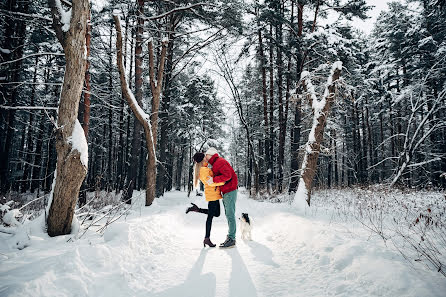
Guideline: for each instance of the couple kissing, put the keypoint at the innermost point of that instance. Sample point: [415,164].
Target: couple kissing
[220,183]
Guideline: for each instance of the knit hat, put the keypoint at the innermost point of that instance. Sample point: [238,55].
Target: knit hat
[211,151]
[198,157]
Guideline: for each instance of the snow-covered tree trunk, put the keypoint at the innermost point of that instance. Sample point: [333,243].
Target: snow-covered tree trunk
[320,108]
[71,145]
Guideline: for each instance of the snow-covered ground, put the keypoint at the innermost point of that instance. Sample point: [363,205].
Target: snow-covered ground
[157,251]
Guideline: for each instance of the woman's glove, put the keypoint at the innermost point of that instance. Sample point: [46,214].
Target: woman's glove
[210,180]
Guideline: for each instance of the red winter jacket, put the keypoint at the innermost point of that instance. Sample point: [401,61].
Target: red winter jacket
[223,172]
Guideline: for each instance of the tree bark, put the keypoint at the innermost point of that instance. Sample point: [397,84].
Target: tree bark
[136,140]
[156,84]
[87,93]
[179,172]
[295,131]
[263,148]
[149,123]
[110,161]
[280,160]
[29,144]
[87,103]
[270,164]
[122,150]
[309,163]
[163,178]
[335,159]
[70,170]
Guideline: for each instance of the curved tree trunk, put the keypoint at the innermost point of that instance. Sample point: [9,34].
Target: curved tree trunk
[149,123]
[71,163]
[136,140]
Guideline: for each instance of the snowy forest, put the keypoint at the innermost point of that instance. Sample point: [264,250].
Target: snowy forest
[328,125]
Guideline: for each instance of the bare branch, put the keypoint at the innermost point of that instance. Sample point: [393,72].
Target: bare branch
[178,9]
[28,107]
[33,55]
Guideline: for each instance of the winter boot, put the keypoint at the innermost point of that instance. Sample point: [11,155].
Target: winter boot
[194,207]
[229,242]
[207,241]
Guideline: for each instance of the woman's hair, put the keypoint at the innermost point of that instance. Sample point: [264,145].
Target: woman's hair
[197,168]
[198,158]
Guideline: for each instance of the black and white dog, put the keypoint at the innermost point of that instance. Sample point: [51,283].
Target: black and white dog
[245,226]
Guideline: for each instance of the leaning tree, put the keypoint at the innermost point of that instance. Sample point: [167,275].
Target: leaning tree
[320,108]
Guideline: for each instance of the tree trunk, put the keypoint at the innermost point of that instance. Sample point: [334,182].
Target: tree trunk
[163,178]
[51,160]
[127,152]
[309,163]
[382,152]
[270,164]
[87,102]
[335,159]
[357,151]
[330,162]
[121,150]
[149,123]
[136,140]
[263,148]
[179,172]
[372,160]
[71,163]
[170,159]
[87,93]
[280,159]
[156,84]
[295,131]
[29,145]
[110,118]
[37,163]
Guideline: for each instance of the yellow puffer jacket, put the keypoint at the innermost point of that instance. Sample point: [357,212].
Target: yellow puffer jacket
[212,191]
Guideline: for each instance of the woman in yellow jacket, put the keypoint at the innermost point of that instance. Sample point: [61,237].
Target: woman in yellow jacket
[211,193]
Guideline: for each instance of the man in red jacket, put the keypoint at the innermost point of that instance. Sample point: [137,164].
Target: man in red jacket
[223,172]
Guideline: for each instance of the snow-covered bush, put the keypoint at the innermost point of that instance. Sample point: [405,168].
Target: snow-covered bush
[413,221]
[9,217]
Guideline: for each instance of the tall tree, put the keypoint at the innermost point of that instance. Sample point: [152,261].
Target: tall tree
[149,123]
[72,148]
[321,108]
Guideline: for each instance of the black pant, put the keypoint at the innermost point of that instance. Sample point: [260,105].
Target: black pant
[212,211]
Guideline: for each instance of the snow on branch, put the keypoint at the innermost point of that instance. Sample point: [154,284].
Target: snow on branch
[305,77]
[79,142]
[65,16]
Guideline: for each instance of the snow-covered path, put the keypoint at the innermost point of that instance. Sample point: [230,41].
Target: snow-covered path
[158,251]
